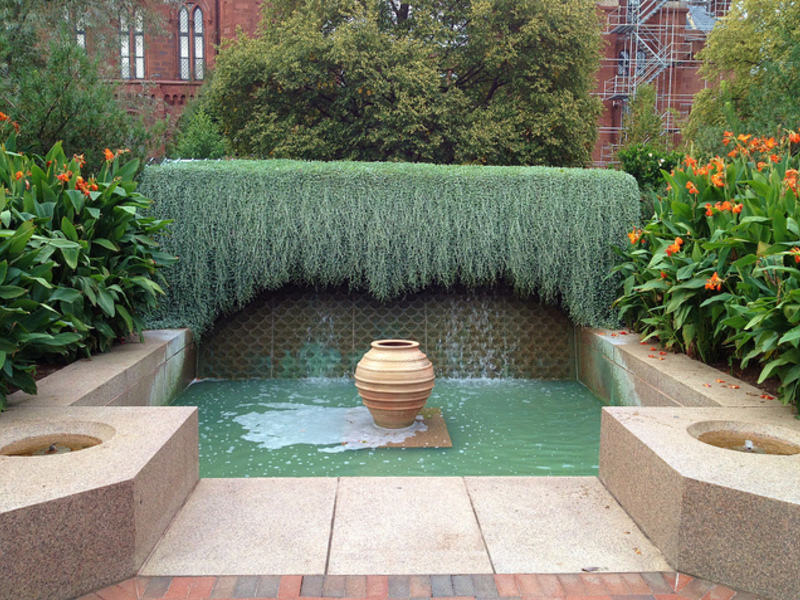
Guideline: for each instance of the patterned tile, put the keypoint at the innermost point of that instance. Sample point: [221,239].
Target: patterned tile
[300,332]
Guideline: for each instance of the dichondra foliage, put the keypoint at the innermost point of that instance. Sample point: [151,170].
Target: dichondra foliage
[244,226]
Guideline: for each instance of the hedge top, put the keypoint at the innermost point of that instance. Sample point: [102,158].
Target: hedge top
[391,228]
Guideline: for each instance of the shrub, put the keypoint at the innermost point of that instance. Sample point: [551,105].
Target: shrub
[390,228]
[198,137]
[78,263]
[645,162]
[715,270]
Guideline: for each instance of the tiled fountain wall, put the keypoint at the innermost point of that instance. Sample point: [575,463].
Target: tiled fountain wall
[298,332]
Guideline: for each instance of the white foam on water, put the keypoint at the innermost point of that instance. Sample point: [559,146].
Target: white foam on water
[287,424]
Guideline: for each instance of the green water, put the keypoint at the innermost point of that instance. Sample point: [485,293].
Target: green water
[319,428]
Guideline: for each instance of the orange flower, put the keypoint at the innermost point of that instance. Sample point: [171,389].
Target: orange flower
[19,175]
[769,144]
[733,153]
[65,176]
[717,180]
[742,137]
[3,116]
[727,137]
[714,282]
[690,162]
[790,179]
[761,165]
[663,276]
[108,154]
[774,158]
[80,159]
[709,212]
[794,137]
[737,209]
[635,235]
[676,247]
[691,187]
[726,205]
[796,252]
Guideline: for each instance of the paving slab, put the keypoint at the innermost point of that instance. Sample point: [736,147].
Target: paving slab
[558,525]
[249,527]
[405,526]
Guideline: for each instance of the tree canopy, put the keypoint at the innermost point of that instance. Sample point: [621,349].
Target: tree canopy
[752,60]
[55,90]
[445,81]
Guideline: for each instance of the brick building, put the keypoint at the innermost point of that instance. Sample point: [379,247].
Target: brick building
[647,41]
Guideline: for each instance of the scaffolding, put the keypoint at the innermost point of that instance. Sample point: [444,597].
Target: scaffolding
[655,43]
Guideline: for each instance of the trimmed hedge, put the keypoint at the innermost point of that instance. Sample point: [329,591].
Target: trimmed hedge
[244,226]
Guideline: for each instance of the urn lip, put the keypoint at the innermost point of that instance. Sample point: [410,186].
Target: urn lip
[389,344]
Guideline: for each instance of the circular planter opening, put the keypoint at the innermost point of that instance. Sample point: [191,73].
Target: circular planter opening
[752,438]
[45,445]
[45,438]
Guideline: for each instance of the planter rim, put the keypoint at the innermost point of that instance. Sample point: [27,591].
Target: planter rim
[389,344]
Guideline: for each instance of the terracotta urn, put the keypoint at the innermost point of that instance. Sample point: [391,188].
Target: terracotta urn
[394,379]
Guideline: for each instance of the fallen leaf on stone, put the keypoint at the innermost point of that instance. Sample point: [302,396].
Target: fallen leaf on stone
[706,385]
[733,387]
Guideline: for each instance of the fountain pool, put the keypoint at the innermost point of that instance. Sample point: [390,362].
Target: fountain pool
[318,427]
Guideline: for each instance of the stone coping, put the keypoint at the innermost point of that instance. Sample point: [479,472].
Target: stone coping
[134,373]
[73,522]
[130,436]
[715,513]
[622,371]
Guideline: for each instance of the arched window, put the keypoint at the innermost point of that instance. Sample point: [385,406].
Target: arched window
[80,33]
[199,64]
[183,41]
[624,64]
[191,44]
[131,47]
[641,61]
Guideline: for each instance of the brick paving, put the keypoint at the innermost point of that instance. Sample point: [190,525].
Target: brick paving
[572,586]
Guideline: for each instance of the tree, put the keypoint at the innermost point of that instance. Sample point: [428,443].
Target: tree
[642,124]
[198,136]
[56,91]
[753,61]
[446,81]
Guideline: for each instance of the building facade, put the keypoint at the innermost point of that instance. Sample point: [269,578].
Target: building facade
[647,41]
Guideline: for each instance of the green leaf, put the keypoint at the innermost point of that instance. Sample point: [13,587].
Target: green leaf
[105,244]
[123,312]
[71,256]
[105,302]
[69,229]
[8,292]
[65,295]
[772,365]
[76,198]
[791,337]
